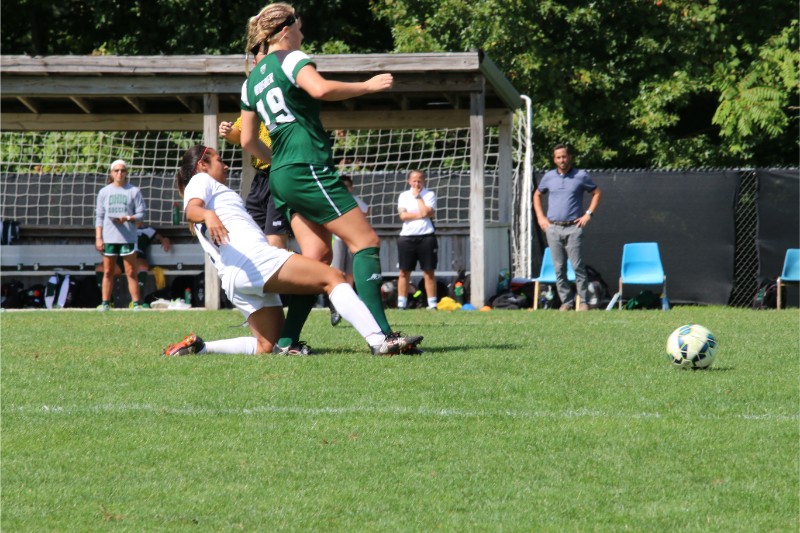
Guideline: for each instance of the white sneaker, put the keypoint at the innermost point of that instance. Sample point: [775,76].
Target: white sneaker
[179,304]
[161,303]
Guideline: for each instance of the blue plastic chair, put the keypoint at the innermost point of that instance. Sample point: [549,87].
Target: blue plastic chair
[791,271]
[641,265]
[548,275]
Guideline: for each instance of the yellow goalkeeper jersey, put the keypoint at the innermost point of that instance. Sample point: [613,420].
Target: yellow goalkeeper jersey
[263,134]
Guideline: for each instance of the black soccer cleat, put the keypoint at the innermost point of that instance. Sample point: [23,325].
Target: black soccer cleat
[396,344]
[296,348]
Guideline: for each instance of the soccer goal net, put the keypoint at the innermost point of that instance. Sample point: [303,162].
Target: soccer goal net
[52,178]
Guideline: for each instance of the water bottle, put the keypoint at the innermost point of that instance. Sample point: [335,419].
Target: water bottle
[187,296]
[176,214]
[458,290]
[664,302]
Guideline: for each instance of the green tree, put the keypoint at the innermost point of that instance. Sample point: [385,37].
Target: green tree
[147,27]
[755,96]
[628,82]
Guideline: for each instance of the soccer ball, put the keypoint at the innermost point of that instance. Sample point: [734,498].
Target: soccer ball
[692,346]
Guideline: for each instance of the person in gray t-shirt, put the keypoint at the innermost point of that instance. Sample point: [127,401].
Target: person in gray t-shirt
[565,221]
[119,206]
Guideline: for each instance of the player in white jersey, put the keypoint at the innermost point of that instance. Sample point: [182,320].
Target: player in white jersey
[253,272]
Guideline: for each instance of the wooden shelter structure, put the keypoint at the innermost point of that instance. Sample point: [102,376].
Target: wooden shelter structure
[193,93]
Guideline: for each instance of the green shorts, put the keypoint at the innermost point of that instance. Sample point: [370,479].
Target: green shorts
[112,249]
[316,192]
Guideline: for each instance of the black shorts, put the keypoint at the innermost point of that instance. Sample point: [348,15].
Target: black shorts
[422,248]
[261,206]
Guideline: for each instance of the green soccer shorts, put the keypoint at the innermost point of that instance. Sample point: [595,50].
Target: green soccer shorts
[312,191]
[120,249]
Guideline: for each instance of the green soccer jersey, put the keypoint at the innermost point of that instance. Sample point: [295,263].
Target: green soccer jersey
[291,115]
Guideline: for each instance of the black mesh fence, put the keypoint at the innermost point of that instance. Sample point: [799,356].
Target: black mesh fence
[720,232]
[745,266]
[778,226]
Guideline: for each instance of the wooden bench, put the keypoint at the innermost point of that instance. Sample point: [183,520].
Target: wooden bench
[80,259]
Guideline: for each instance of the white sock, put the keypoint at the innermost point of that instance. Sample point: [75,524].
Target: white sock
[402,302]
[432,302]
[245,345]
[352,309]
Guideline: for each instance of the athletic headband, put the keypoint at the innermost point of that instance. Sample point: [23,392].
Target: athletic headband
[205,151]
[291,19]
[118,162]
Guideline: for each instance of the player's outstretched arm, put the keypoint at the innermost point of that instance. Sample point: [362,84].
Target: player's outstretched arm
[329,90]
[229,132]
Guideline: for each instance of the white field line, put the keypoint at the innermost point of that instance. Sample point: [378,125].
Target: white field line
[58,410]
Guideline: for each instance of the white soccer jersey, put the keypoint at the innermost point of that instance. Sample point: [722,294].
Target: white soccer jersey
[243,232]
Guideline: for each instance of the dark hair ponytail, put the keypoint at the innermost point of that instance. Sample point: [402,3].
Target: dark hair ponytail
[191,158]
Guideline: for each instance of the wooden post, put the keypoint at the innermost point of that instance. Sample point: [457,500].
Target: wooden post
[477,103]
[248,174]
[505,169]
[210,132]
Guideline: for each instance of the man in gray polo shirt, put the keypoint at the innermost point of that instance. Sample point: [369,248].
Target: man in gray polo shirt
[565,221]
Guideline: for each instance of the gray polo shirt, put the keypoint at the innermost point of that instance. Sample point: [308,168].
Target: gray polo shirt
[565,200]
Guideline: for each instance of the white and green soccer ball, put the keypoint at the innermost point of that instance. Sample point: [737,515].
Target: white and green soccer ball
[692,346]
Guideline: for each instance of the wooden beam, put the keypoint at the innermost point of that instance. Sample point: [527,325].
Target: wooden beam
[234,64]
[29,104]
[82,103]
[213,298]
[171,85]
[479,282]
[188,104]
[332,120]
[165,85]
[136,103]
[454,100]
[433,118]
[501,85]
[505,169]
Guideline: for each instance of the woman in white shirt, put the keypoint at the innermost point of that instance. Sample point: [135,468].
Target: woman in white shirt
[253,272]
[417,242]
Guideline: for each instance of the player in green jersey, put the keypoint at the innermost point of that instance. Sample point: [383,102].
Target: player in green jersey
[284,91]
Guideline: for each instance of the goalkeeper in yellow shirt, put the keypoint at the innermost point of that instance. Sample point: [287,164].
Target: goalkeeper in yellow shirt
[259,202]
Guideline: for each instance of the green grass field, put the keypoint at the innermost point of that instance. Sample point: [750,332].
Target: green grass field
[511,421]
